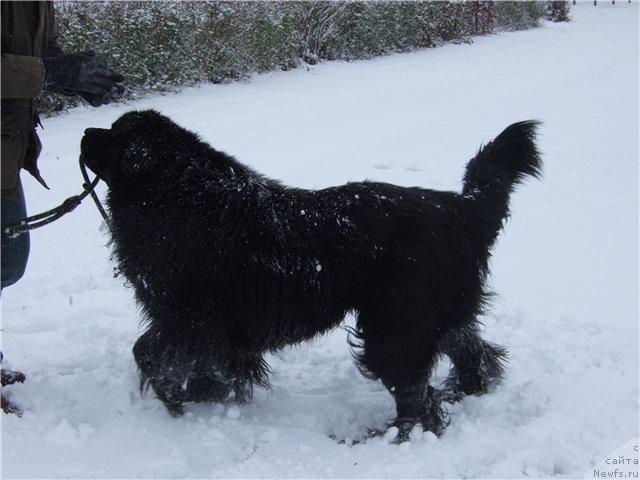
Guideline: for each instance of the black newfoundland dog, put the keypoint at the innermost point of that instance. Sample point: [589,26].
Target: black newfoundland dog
[228,265]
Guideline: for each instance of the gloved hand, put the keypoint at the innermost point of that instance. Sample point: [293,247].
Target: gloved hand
[82,74]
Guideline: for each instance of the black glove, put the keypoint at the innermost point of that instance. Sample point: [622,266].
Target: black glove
[82,74]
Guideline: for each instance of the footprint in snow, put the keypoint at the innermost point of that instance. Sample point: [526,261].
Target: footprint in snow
[383,166]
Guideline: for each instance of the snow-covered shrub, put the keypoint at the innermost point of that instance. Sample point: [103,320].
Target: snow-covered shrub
[163,45]
[557,11]
[518,15]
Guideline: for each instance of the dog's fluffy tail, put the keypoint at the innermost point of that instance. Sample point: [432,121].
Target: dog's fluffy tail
[492,174]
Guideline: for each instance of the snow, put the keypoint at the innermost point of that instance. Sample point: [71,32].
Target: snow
[565,269]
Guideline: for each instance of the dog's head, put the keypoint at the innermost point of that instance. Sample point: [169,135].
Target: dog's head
[135,148]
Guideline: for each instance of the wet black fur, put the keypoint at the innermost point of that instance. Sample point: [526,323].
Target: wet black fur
[227,265]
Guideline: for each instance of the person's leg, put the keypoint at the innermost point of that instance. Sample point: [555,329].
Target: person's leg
[15,250]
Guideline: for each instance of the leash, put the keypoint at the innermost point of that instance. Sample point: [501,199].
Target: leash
[45,218]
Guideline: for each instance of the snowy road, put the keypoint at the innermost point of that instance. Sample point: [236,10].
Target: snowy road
[565,269]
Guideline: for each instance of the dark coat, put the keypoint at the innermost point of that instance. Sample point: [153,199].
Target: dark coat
[29,31]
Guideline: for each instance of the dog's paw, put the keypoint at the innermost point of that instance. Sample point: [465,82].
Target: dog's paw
[242,390]
[435,421]
[454,390]
[399,431]
[403,433]
[204,389]
[174,409]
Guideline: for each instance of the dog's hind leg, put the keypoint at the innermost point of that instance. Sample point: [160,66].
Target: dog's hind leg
[401,353]
[475,362]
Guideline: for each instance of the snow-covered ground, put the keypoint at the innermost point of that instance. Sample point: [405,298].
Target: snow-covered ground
[565,269]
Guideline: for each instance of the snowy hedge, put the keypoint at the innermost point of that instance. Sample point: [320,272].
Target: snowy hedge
[160,46]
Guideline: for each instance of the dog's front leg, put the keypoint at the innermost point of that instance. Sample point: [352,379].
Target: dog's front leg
[165,379]
[170,393]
